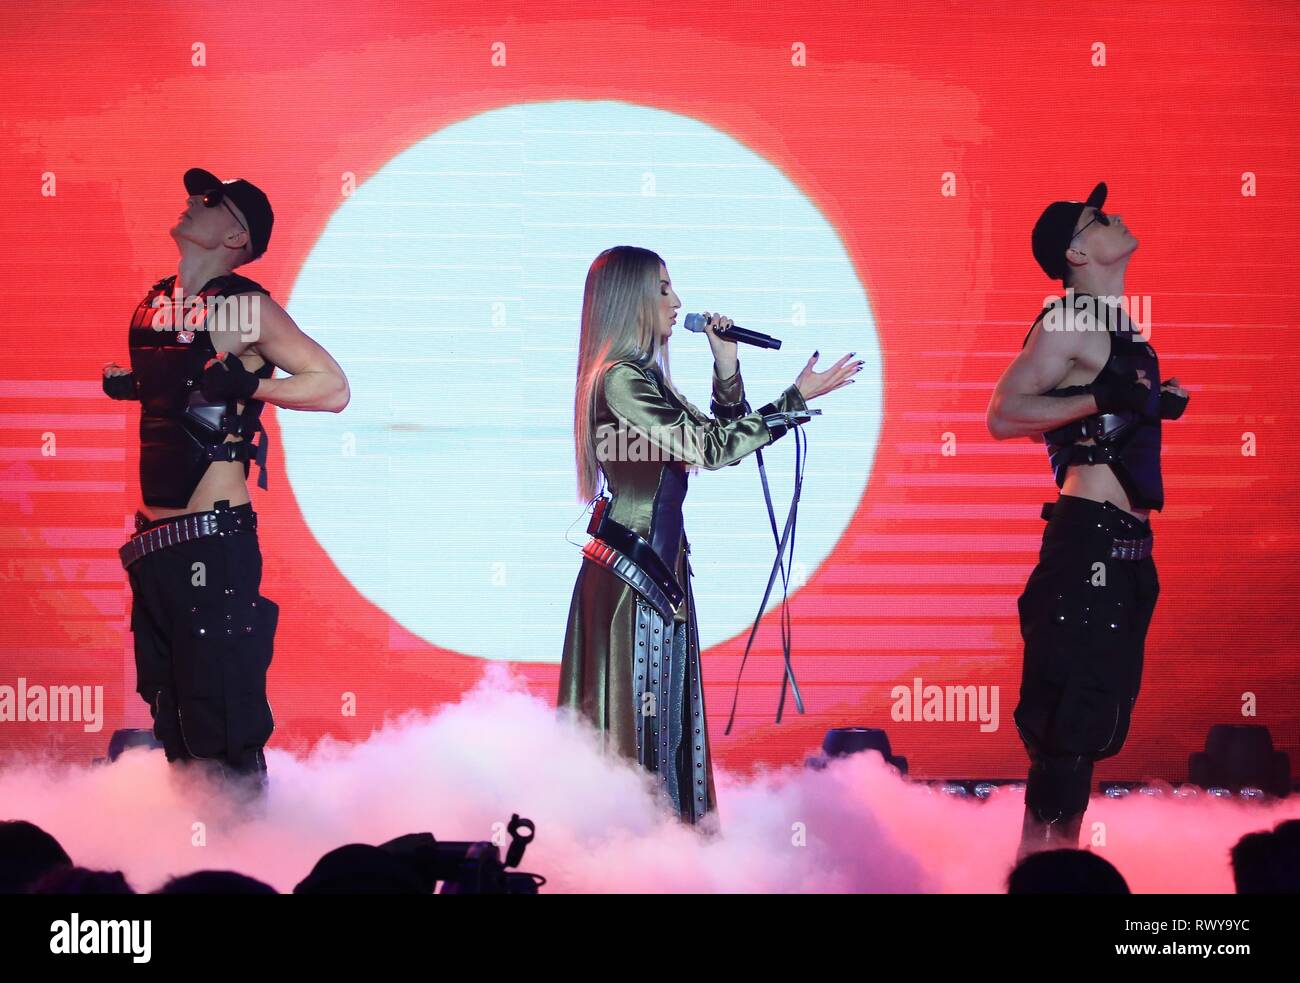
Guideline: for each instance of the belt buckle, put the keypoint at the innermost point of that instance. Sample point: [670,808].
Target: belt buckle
[218,520]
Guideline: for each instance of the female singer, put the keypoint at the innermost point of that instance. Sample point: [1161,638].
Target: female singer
[631,650]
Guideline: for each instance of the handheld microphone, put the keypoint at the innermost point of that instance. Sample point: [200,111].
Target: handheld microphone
[696,323]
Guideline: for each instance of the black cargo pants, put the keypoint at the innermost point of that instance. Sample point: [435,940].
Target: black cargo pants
[1084,616]
[203,644]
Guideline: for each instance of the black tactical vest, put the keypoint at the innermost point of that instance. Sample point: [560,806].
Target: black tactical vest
[181,433]
[1127,440]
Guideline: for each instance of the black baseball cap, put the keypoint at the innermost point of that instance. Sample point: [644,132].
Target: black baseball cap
[248,198]
[1055,228]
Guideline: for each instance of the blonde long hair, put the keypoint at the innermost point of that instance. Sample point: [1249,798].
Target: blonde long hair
[620,311]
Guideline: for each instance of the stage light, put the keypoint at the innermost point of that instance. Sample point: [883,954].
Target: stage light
[1152,788]
[980,789]
[840,742]
[1239,756]
[128,737]
[419,862]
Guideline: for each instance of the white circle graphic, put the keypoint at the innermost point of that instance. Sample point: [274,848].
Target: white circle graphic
[449,288]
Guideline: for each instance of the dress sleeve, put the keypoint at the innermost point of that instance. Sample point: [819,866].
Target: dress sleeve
[678,434]
[729,401]
[729,395]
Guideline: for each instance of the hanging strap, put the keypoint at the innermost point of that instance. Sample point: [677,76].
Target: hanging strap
[778,566]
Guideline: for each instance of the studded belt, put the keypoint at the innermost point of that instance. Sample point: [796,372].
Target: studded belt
[1121,548]
[220,521]
[1130,549]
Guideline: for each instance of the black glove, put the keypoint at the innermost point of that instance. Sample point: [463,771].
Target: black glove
[1115,392]
[1171,404]
[225,379]
[120,386]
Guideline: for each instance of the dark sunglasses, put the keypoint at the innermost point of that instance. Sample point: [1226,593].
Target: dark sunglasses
[1100,216]
[215,197]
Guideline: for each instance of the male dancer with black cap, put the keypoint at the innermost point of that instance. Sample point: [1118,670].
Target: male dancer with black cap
[203,631]
[1085,384]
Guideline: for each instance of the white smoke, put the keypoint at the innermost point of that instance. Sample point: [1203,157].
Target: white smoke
[460,773]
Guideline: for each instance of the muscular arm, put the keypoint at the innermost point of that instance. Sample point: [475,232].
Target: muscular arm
[1018,408]
[315,380]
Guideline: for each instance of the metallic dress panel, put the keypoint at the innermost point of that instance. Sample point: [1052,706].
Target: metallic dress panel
[630,666]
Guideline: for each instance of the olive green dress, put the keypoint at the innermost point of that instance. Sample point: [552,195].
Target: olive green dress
[601,638]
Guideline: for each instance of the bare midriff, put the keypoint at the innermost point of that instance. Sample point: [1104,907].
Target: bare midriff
[1098,483]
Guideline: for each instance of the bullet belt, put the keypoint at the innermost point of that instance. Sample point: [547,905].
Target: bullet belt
[619,565]
[220,521]
[628,556]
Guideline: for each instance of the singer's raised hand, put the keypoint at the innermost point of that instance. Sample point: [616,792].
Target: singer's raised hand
[724,352]
[720,346]
[813,384]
